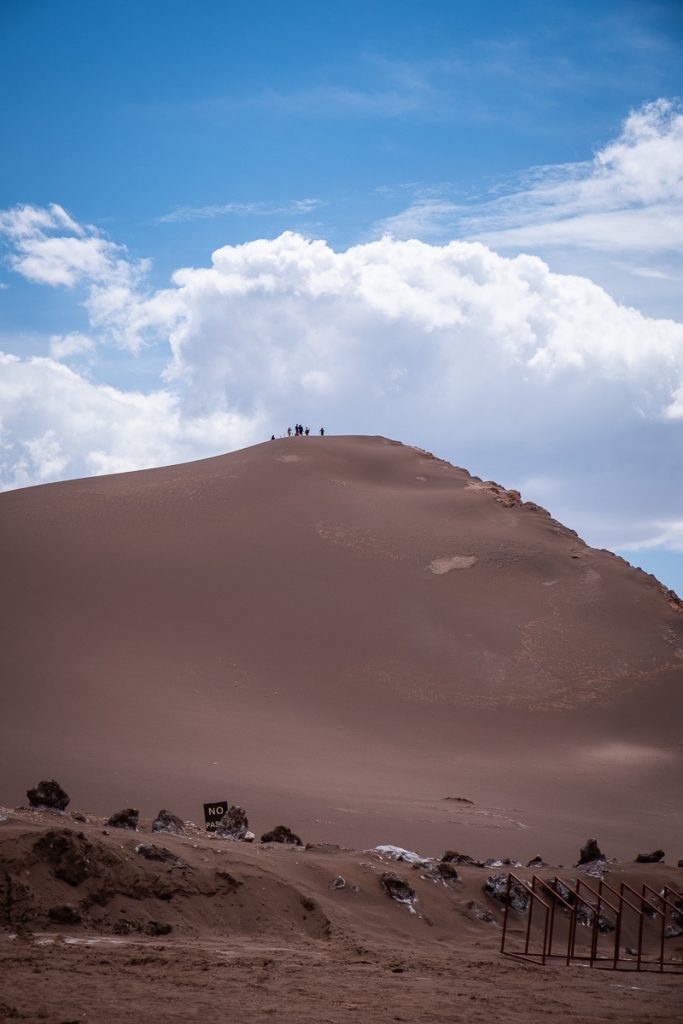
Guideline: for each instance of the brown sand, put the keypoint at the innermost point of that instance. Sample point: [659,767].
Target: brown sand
[343,635]
[260,931]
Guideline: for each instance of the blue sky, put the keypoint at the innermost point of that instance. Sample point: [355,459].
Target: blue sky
[458,224]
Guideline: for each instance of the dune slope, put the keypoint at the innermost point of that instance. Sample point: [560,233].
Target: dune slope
[339,633]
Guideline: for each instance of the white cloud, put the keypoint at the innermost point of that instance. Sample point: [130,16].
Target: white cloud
[629,197]
[62,346]
[294,207]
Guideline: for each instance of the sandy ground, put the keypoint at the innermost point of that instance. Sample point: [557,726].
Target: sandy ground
[267,627]
[258,931]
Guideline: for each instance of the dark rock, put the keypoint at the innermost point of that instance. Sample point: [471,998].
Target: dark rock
[48,794]
[65,914]
[452,856]
[69,853]
[167,822]
[650,858]
[233,825]
[476,912]
[151,852]
[338,883]
[460,800]
[537,862]
[447,870]
[397,888]
[228,882]
[157,928]
[125,819]
[496,886]
[77,816]
[680,863]
[591,852]
[124,927]
[281,834]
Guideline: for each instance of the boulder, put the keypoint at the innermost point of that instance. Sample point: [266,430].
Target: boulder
[167,822]
[650,858]
[452,856]
[66,913]
[151,852]
[537,862]
[590,852]
[397,888]
[281,834]
[70,855]
[125,819]
[48,794]
[500,889]
[233,825]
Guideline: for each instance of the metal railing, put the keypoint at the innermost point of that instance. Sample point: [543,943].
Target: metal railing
[605,915]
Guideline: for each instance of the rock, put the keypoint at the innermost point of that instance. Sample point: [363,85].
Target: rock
[650,858]
[398,853]
[447,870]
[590,852]
[476,912]
[672,931]
[77,816]
[680,863]
[452,856]
[167,822]
[398,889]
[66,913]
[537,862]
[48,794]
[69,853]
[124,927]
[151,852]
[156,928]
[125,819]
[281,834]
[338,883]
[233,825]
[496,886]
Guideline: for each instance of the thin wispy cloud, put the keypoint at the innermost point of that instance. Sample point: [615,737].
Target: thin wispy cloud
[628,197]
[292,208]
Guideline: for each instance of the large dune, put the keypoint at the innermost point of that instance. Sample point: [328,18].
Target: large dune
[339,633]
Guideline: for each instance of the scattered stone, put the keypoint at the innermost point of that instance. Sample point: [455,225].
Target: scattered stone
[66,913]
[167,822]
[452,856]
[151,852]
[650,858]
[496,886]
[124,927]
[355,888]
[398,853]
[447,871]
[338,883]
[157,928]
[69,853]
[493,862]
[537,862]
[281,834]
[672,931]
[398,889]
[77,816]
[48,794]
[632,951]
[476,912]
[460,800]
[233,825]
[590,852]
[125,819]
[324,847]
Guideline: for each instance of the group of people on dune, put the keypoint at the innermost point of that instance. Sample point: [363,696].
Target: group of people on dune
[299,431]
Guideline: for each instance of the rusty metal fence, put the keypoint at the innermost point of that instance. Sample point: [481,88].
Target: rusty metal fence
[593,925]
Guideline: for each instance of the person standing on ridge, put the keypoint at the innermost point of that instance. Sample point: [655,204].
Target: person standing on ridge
[322,431]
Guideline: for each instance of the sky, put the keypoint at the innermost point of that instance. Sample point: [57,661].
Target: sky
[457,225]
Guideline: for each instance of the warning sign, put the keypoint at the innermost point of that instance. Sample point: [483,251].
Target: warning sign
[214,812]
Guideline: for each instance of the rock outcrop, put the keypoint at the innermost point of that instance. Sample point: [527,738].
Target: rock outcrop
[48,794]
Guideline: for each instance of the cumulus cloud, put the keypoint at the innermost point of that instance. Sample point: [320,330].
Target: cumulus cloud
[496,363]
[629,197]
[63,346]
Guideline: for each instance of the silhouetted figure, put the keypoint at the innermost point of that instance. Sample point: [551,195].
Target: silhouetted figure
[322,431]
[289,431]
[307,431]
[272,437]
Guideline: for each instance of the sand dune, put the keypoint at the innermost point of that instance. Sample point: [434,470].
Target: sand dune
[339,633]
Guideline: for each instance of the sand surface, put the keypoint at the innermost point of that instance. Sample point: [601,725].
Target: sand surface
[231,931]
[355,639]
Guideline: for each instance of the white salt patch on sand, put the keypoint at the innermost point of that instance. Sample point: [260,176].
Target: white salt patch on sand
[439,566]
[398,853]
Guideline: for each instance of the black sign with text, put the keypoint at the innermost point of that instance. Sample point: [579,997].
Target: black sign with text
[214,812]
